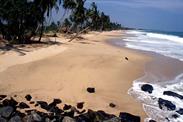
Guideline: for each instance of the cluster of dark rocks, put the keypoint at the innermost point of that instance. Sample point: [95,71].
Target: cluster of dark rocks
[164,104]
[13,111]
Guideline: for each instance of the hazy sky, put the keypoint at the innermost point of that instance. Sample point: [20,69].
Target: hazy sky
[145,14]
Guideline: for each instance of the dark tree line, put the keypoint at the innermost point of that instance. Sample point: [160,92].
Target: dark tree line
[20,20]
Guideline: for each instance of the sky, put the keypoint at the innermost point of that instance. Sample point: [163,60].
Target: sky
[165,15]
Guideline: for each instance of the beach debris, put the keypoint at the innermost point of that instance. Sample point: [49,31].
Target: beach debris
[28,97]
[126,58]
[112,105]
[23,105]
[147,88]
[173,94]
[126,117]
[166,105]
[80,105]
[91,90]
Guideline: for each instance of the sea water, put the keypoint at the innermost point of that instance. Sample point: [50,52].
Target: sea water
[169,44]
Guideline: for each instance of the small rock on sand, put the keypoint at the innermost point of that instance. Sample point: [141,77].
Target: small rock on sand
[91,90]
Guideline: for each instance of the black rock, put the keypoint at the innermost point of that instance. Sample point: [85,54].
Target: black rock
[112,105]
[180,111]
[23,105]
[68,119]
[36,117]
[173,94]
[32,102]
[3,96]
[43,105]
[103,116]
[15,119]
[6,111]
[147,88]
[165,104]
[115,119]
[55,102]
[28,97]
[126,117]
[67,107]
[10,102]
[91,90]
[126,58]
[152,120]
[80,105]
[175,116]
[2,119]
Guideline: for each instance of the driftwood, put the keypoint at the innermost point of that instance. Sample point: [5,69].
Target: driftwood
[77,34]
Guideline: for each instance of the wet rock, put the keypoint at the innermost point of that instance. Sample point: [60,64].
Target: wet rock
[175,116]
[112,105]
[23,105]
[28,97]
[152,120]
[180,111]
[2,119]
[80,105]
[126,117]
[165,104]
[173,94]
[67,107]
[68,119]
[10,102]
[147,88]
[103,116]
[6,111]
[36,117]
[91,90]
[115,119]
[15,119]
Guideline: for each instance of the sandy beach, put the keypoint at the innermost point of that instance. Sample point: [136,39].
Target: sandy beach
[65,71]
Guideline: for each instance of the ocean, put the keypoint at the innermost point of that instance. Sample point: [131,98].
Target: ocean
[168,44]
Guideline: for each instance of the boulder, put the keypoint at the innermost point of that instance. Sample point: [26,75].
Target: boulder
[91,90]
[10,102]
[23,105]
[175,116]
[126,117]
[2,119]
[80,105]
[115,119]
[6,111]
[43,105]
[15,119]
[173,94]
[3,96]
[152,120]
[147,88]
[28,97]
[165,104]
[68,119]
[55,102]
[67,107]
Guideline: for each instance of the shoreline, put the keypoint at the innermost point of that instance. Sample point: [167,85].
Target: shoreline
[90,62]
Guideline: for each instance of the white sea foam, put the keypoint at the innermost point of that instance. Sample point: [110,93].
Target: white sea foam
[150,101]
[167,45]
